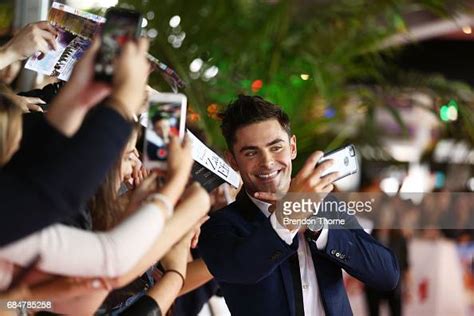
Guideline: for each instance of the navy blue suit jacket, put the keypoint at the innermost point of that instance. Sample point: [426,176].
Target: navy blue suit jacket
[250,262]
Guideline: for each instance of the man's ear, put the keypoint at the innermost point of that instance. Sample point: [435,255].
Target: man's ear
[293,150]
[229,156]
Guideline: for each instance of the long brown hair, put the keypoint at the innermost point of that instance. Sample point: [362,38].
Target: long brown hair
[106,206]
[10,125]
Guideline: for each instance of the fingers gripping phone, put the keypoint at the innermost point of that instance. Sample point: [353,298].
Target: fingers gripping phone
[121,26]
[345,162]
[166,117]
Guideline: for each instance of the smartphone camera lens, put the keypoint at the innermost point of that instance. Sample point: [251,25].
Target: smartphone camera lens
[346,161]
[351,151]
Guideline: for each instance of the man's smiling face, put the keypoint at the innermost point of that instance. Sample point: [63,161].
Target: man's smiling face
[263,152]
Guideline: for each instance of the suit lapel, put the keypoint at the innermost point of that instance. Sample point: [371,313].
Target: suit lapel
[252,213]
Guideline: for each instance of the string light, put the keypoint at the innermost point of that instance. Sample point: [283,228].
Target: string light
[196,65]
[175,20]
[211,72]
[467,29]
[256,85]
[449,112]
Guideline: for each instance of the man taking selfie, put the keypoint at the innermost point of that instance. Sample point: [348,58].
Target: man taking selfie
[263,265]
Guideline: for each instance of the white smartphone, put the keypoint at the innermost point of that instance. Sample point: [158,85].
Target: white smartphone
[345,162]
[166,116]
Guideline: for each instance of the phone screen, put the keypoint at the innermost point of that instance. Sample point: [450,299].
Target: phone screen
[165,119]
[120,27]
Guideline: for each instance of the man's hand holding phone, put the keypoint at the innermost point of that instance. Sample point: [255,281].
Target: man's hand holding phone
[308,180]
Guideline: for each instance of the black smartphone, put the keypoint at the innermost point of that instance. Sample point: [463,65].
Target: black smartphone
[121,26]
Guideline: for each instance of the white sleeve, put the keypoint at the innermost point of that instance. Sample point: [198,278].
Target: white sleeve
[67,250]
[284,233]
[322,240]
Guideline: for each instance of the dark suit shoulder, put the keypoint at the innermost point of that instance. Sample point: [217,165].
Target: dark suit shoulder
[230,213]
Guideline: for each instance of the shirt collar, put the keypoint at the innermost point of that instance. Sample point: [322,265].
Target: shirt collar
[262,206]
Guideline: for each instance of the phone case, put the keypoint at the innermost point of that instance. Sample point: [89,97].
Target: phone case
[345,162]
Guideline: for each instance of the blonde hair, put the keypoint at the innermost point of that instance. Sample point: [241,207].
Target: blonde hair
[10,119]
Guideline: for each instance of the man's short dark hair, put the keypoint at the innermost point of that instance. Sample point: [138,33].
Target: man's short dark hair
[158,117]
[248,110]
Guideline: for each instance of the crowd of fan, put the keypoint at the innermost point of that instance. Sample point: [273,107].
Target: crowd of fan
[84,225]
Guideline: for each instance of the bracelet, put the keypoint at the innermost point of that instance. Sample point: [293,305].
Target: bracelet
[178,273]
[165,201]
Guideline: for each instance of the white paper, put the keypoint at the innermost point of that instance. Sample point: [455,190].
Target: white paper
[209,159]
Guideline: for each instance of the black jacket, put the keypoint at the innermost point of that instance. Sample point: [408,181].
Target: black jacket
[51,177]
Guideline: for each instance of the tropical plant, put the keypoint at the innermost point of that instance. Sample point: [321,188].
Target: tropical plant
[306,56]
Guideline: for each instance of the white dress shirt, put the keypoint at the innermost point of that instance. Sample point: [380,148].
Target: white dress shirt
[312,303]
